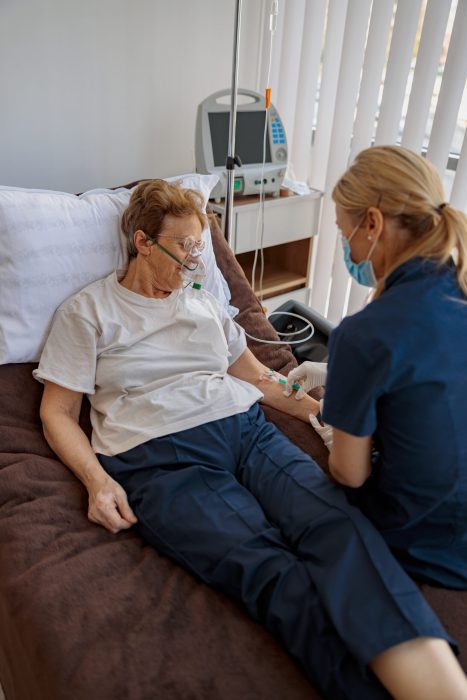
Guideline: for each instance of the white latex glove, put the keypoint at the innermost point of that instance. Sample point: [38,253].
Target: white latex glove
[324,431]
[309,375]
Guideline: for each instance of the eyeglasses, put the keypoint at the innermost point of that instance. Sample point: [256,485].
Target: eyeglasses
[192,248]
[190,245]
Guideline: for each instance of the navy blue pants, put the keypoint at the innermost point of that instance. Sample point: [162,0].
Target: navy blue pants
[240,506]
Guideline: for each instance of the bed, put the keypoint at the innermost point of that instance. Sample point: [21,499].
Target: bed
[85,614]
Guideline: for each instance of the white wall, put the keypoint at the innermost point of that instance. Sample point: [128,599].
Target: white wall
[97,93]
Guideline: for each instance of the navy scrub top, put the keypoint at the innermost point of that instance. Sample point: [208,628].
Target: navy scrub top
[398,371]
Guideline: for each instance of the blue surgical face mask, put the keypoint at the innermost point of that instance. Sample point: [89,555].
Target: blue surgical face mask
[363,271]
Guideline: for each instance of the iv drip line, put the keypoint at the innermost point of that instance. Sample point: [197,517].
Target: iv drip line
[260,218]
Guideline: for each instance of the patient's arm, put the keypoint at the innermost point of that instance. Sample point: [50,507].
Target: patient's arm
[108,504]
[248,368]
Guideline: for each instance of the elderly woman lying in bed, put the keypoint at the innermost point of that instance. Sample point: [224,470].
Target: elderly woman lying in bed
[182,451]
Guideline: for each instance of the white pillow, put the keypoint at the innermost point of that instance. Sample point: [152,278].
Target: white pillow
[52,244]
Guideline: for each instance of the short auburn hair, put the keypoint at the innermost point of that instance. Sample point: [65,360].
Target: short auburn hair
[152,201]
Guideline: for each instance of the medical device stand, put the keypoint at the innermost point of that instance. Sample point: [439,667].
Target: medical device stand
[232,159]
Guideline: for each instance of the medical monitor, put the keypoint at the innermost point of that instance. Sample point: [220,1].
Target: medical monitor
[249,136]
[212,143]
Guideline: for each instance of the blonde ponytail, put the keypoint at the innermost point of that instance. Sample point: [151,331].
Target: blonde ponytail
[456,224]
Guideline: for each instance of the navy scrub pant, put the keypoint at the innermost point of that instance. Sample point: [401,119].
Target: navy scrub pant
[240,506]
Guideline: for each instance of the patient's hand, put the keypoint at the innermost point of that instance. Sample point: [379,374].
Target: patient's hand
[108,506]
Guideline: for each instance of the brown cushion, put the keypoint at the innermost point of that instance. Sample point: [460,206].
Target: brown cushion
[251,316]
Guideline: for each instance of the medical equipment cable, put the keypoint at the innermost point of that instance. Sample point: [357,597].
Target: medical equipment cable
[259,239]
[308,325]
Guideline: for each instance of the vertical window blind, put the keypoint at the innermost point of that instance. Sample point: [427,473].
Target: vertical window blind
[347,74]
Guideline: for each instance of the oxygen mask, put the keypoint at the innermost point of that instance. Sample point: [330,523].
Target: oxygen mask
[192,267]
[193,272]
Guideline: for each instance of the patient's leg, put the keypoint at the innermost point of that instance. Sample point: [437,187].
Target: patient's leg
[201,516]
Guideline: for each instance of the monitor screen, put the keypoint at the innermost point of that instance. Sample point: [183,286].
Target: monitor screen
[249,135]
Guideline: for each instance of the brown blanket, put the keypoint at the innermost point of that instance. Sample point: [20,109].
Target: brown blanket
[88,615]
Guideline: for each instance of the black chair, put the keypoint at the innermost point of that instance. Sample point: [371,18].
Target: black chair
[314,349]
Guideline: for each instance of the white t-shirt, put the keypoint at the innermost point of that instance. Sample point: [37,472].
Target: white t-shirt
[150,366]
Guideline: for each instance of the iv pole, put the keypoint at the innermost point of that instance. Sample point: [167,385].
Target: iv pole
[232,159]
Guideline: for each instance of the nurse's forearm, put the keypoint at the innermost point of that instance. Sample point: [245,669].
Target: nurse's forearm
[350,458]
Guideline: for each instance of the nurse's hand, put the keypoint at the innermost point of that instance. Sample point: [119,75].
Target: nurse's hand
[309,375]
[109,507]
[324,431]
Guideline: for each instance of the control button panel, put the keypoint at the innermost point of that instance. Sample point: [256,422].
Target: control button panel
[278,136]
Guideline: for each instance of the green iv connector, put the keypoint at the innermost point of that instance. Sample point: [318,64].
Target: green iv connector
[284,381]
[272,374]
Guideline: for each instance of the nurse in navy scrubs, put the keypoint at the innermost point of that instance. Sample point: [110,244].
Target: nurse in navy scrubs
[401,363]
